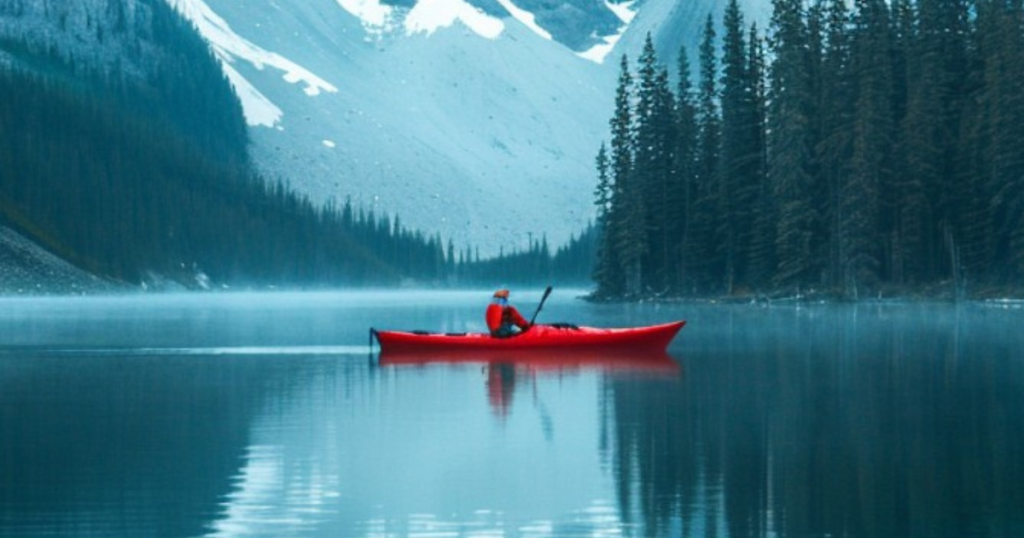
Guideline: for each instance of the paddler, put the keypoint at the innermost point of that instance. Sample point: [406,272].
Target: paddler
[503,319]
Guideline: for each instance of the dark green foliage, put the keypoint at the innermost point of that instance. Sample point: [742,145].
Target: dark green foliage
[627,232]
[834,147]
[571,264]
[861,227]
[741,152]
[1004,98]
[196,105]
[887,151]
[761,257]
[683,194]
[128,180]
[604,263]
[790,157]
[701,250]
[654,173]
[619,257]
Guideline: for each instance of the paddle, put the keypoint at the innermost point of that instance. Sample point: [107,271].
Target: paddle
[541,305]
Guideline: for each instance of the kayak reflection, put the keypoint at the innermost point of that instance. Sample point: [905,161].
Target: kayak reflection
[505,369]
[611,360]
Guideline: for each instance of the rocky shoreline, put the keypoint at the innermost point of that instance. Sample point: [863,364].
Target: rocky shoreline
[27,269]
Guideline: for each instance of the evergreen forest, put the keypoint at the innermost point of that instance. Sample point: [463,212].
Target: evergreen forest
[145,180]
[570,264]
[851,150]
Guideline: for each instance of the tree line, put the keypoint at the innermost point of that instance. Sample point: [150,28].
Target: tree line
[878,149]
[569,264]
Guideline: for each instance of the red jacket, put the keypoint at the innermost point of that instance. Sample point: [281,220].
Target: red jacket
[497,314]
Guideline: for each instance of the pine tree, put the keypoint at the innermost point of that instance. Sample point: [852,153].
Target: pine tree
[870,172]
[816,25]
[1005,69]
[701,252]
[683,194]
[649,172]
[835,146]
[789,151]
[733,97]
[761,256]
[930,198]
[603,191]
[621,224]
[973,167]
[654,168]
[740,153]
[668,192]
[604,266]
[908,208]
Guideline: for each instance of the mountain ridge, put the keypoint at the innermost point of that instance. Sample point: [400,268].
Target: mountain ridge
[486,139]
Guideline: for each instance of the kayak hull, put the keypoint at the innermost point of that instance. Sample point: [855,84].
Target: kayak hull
[540,337]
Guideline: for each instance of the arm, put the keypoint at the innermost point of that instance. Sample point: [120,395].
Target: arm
[518,318]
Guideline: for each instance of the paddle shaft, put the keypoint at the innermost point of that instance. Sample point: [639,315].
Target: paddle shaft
[541,305]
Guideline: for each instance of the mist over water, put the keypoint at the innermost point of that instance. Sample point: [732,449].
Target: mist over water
[267,415]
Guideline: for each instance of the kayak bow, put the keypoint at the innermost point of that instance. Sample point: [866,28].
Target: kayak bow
[651,338]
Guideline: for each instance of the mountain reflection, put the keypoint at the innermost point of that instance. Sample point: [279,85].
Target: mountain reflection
[832,422]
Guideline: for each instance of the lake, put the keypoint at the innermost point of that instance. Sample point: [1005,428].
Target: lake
[268,415]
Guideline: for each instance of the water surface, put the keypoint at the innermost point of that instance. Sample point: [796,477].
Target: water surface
[267,415]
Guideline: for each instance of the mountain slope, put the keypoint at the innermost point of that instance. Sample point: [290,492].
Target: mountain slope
[143,174]
[483,140]
[27,268]
[478,121]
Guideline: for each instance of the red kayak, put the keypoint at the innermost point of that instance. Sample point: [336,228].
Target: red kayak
[549,337]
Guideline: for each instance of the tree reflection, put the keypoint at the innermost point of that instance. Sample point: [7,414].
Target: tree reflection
[121,446]
[832,422]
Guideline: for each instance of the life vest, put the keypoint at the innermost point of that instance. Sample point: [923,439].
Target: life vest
[499,315]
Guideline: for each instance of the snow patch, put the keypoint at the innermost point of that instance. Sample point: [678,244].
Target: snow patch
[258,109]
[599,52]
[525,17]
[229,46]
[623,11]
[429,15]
[376,17]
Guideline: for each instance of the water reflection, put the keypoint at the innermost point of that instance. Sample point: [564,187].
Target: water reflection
[506,368]
[557,361]
[119,447]
[416,451]
[859,422]
[886,421]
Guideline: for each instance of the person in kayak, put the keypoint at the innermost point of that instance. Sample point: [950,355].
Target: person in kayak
[503,319]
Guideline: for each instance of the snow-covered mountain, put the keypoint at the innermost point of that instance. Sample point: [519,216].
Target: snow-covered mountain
[479,120]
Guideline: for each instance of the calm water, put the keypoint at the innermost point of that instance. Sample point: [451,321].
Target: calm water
[266,416]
